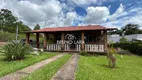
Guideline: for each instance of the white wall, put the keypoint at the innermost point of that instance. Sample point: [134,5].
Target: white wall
[114,38]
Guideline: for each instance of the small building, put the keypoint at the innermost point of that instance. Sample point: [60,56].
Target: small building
[116,38]
[91,38]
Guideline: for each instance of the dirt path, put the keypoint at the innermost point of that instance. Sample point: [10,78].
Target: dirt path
[18,75]
[67,72]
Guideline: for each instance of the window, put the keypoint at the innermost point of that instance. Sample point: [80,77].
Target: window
[95,38]
[59,38]
[90,38]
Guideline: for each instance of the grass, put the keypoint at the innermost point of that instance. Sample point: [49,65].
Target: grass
[46,72]
[11,66]
[95,68]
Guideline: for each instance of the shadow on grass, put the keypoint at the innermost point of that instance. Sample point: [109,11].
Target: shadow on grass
[106,66]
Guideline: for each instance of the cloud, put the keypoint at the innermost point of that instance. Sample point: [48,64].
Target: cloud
[32,12]
[118,13]
[70,18]
[54,13]
[96,15]
[86,3]
[134,17]
[83,2]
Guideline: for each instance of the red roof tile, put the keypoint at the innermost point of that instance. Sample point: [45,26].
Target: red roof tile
[74,28]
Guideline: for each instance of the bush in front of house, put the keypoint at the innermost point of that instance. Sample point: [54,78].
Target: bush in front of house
[16,50]
[83,53]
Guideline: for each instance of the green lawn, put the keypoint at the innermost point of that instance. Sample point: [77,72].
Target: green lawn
[46,72]
[95,68]
[11,66]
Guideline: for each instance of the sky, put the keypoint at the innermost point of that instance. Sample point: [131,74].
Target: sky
[60,13]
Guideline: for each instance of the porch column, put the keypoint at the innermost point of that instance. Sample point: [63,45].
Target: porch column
[45,40]
[105,40]
[27,38]
[62,38]
[82,38]
[37,40]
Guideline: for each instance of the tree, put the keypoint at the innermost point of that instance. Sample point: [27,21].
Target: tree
[111,56]
[115,32]
[8,22]
[37,27]
[127,30]
[23,27]
[131,29]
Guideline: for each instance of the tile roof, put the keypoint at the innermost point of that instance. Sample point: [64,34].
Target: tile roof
[74,28]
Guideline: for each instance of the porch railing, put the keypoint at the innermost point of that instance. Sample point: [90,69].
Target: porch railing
[88,47]
[78,47]
[94,47]
[53,47]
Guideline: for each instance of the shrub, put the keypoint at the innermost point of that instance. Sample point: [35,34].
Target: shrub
[124,52]
[83,53]
[123,40]
[133,47]
[16,51]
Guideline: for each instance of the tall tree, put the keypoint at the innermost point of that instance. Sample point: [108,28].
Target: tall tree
[115,32]
[127,30]
[8,22]
[131,29]
[23,27]
[37,27]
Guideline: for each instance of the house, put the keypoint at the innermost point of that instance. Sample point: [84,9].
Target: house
[116,38]
[91,38]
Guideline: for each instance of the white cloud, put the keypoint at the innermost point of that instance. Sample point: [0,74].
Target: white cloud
[32,12]
[96,15]
[132,18]
[118,13]
[136,19]
[70,18]
[121,17]
[85,3]
[59,14]
[63,20]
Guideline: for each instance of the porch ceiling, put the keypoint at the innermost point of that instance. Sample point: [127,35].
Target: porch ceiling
[72,28]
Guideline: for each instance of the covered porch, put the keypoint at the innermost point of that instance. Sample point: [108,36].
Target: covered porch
[82,38]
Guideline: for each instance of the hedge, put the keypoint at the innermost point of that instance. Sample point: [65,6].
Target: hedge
[134,47]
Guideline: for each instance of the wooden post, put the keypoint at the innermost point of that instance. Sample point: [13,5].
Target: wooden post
[82,38]
[27,38]
[62,38]
[37,40]
[105,40]
[45,40]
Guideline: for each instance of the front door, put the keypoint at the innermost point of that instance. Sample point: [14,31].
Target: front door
[72,39]
[73,45]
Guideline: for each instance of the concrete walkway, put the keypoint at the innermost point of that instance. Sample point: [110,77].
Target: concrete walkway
[18,75]
[67,72]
